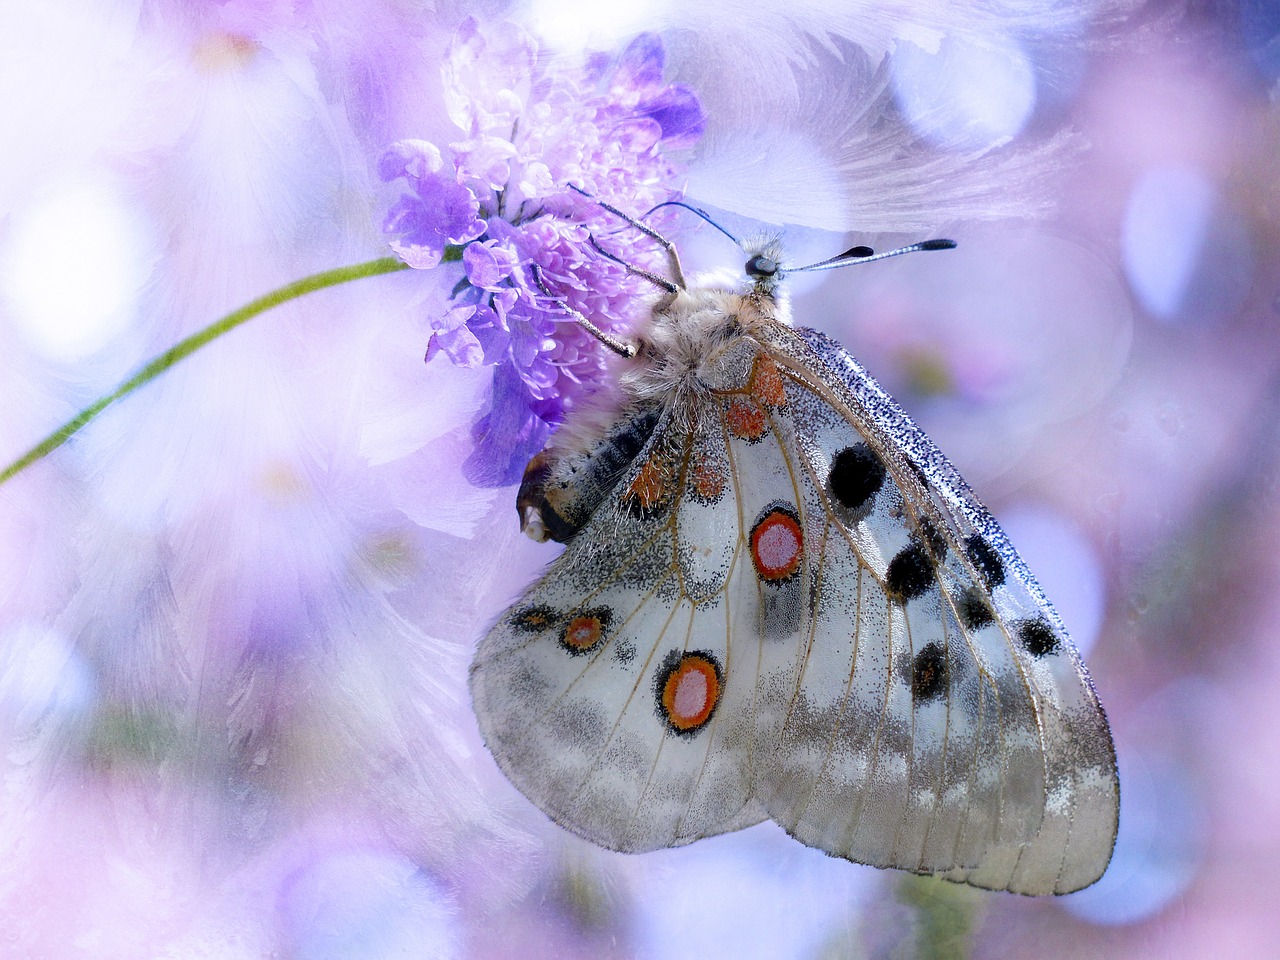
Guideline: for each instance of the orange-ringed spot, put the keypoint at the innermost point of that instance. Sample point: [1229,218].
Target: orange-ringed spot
[585,630]
[766,382]
[534,619]
[746,419]
[688,689]
[777,543]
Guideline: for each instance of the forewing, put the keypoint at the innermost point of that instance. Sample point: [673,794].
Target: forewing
[942,720]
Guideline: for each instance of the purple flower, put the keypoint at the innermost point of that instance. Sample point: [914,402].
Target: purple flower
[440,211]
[530,129]
[638,80]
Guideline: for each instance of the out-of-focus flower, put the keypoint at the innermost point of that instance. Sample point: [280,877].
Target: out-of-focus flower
[533,130]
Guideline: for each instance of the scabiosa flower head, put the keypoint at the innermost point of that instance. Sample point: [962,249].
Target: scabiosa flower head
[530,129]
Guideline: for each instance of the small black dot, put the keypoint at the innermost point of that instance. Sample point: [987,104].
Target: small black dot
[983,556]
[929,674]
[910,573]
[1037,637]
[855,476]
[974,610]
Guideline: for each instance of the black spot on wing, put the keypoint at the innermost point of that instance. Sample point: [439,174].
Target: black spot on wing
[973,609]
[984,556]
[856,476]
[934,539]
[910,573]
[929,674]
[1037,637]
[535,619]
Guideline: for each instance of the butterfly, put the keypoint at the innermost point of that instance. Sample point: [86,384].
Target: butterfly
[778,600]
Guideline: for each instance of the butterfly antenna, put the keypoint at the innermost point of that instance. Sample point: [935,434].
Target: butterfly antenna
[696,212]
[623,348]
[671,286]
[861,254]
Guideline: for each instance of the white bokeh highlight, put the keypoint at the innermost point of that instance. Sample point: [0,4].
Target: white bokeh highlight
[1166,223]
[365,903]
[73,264]
[592,24]
[966,95]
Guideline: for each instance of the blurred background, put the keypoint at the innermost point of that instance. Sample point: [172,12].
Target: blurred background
[236,611]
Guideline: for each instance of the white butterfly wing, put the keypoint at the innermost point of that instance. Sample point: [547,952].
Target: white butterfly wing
[968,739]
[791,603]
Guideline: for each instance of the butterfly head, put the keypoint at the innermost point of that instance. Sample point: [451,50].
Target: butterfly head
[764,267]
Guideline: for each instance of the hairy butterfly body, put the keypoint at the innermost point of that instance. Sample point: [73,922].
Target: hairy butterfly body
[779,600]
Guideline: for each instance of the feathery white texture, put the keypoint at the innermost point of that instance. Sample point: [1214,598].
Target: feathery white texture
[781,35]
[235,603]
[848,160]
[804,126]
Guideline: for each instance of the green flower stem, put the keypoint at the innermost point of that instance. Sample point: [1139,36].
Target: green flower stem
[184,348]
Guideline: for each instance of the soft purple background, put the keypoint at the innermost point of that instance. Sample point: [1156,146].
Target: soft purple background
[236,612]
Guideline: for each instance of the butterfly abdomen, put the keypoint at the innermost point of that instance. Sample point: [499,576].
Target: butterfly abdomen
[559,494]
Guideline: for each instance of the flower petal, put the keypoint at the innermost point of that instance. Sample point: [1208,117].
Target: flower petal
[507,437]
[409,158]
[679,113]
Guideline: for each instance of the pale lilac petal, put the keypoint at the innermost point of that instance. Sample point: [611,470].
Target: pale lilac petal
[485,158]
[507,437]
[409,158]
[488,264]
[443,212]
[487,76]
[460,346]
[679,113]
[640,66]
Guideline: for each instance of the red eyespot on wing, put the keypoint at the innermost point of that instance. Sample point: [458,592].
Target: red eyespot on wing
[584,632]
[708,480]
[688,690]
[777,544]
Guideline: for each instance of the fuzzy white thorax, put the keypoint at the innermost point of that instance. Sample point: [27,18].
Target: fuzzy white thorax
[679,339]
[687,334]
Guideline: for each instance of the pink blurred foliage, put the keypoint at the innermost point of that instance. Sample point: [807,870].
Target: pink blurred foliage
[236,612]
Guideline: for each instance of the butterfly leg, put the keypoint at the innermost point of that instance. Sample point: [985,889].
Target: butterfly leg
[622,348]
[673,258]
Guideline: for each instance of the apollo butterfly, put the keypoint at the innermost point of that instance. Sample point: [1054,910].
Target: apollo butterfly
[778,600]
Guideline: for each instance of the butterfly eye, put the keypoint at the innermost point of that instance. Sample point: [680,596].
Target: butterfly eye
[761,266]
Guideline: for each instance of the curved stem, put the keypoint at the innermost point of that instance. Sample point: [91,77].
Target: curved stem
[184,348]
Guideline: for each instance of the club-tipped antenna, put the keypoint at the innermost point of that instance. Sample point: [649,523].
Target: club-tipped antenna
[862,254]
